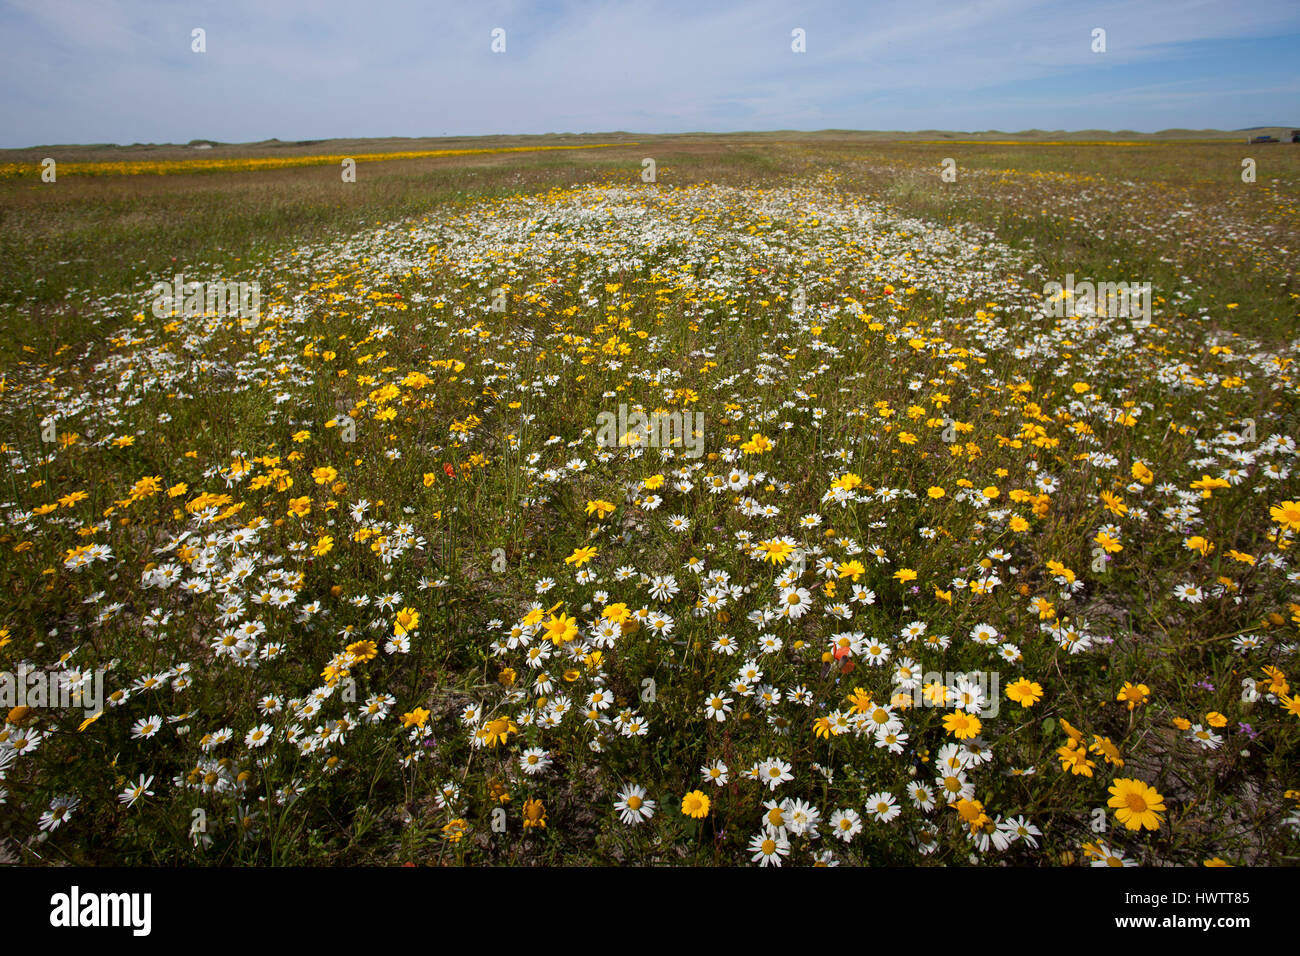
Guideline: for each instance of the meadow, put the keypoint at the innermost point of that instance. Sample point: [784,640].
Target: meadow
[931,569]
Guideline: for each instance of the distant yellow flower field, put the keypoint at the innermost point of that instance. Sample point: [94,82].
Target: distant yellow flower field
[248,164]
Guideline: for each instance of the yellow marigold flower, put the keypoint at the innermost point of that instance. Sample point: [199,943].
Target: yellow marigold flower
[1025,692]
[1060,570]
[146,487]
[1287,514]
[1109,544]
[935,693]
[408,619]
[695,805]
[333,672]
[860,699]
[852,570]
[534,814]
[1206,485]
[1075,735]
[1198,543]
[1216,719]
[454,830]
[1142,473]
[962,725]
[618,613]
[972,813]
[323,546]
[599,508]
[848,481]
[299,507]
[1104,746]
[560,630]
[1277,680]
[1135,695]
[756,445]
[903,575]
[934,491]
[1136,804]
[498,730]
[580,556]
[1074,758]
[362,651]
[1113,503]
[415,718]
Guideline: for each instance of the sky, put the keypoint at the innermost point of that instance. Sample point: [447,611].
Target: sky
[124,71]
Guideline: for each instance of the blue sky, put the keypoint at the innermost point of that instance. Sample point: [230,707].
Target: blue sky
[122,71]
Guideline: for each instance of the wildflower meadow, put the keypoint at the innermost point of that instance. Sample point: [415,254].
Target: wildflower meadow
[775,505]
